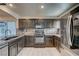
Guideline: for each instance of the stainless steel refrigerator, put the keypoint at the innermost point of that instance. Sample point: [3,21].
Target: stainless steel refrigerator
[75,31]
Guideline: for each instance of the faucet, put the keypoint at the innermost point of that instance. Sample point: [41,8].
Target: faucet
[7,31]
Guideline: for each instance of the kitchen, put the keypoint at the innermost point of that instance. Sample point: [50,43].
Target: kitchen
[29,25]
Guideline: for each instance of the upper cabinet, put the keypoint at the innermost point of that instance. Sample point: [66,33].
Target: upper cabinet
[31,23]
[26,23]
[22,24]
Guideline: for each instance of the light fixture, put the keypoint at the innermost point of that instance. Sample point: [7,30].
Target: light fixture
[11,5]
[42,6]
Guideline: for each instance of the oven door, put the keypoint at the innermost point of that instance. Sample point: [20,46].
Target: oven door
[39,32]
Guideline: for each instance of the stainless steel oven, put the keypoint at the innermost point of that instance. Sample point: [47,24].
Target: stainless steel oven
[39,32]
[39,36]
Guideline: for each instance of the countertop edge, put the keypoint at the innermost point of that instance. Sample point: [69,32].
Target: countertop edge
[7,41]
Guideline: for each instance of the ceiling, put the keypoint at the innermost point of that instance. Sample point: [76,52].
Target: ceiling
[35,10]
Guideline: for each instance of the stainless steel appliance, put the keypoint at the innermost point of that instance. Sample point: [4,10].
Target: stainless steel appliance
[75,31]
[39,32]
[39,35]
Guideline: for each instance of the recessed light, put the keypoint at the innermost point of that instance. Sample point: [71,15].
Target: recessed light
[11,5]
[42,6]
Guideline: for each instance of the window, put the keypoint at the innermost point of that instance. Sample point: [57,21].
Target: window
[7,29]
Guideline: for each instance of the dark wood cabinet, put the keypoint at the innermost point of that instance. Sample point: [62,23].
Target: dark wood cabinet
[16,46]
[57,42]
[0,52]
[4,50]
[21,43]
[29,41]
[22,24]
[48,41]
[13,48]
[53,41]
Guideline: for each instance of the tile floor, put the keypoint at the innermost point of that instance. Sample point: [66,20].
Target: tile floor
[30,51]
[76,51]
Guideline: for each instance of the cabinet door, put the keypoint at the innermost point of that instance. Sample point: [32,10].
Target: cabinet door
[29,41]
[49,41]
[0,52]
[4,51]
[19,46]
[25,41]
[13,50]
[22,23]
[21,43]
[57,43]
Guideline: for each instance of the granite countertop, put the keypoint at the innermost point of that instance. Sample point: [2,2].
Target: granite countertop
[2,42]
[7,41]
[53,35]
[29,33]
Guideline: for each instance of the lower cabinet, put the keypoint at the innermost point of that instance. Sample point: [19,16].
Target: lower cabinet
[0,52]
[57,43]
[29,41]
[13,49]
[48,41]
[4,50]
[16,46]
[20,44]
